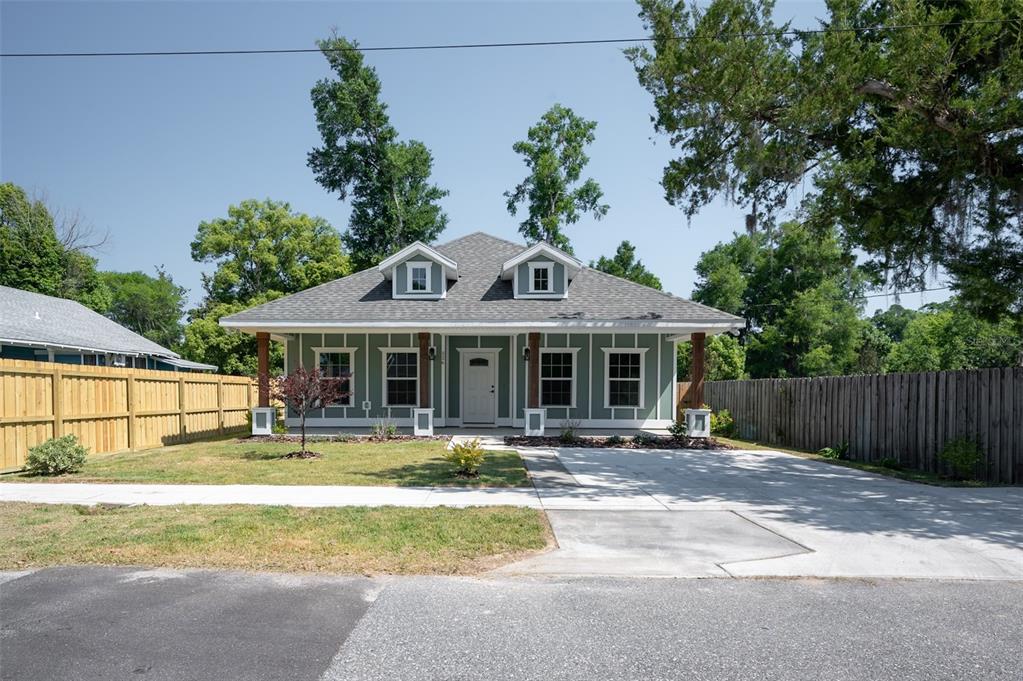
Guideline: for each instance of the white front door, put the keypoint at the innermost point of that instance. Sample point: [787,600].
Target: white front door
[479,386]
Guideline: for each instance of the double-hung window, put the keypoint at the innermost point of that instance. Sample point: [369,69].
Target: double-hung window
[337,363]
[624,378]
[401,380]
[418,277]
[540,275]
[557,378]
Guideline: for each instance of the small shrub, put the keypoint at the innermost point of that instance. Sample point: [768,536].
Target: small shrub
[467,457]
[839,452]
[278,428]
[615,440]
[722,423]
[963,456]
[678,430]
[645,440]
[891,463]
[384,430]
[569,432]
[56,456]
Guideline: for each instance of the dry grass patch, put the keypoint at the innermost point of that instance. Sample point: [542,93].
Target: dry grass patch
[355,540]
[240,462]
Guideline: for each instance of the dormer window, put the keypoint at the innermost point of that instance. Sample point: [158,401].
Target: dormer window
[419,272]
[540,275]
[419,277]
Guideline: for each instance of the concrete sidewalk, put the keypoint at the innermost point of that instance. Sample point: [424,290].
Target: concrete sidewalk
[273,495]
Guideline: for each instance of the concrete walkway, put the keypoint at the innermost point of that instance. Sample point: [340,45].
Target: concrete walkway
[272,495]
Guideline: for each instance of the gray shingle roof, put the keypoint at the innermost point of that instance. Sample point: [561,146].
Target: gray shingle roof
[479,295]
[44,320]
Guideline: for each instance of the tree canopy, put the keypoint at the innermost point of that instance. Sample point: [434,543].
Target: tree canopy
[800,293]
[393,201]
[909,140]
[554,153]
[150,306]
[33,257]
[264,247]
[625,265]
[724,359]
[262,250]
[946,336]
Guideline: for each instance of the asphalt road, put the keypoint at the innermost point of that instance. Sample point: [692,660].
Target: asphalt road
[110,623]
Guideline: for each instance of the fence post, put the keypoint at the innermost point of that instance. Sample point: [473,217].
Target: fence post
[132,396]
[181,408]
[220,404]
[58,401]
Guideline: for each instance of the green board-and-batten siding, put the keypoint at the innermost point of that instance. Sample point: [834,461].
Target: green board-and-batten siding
[445,374]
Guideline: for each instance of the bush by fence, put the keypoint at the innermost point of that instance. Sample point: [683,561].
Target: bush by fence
[111,409]
[906,417]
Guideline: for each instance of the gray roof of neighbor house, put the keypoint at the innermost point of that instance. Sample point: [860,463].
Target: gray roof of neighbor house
[479,295]
[34,319]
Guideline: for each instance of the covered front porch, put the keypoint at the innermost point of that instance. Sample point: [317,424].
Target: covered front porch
[593,381]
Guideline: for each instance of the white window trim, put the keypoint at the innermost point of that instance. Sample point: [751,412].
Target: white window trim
[322,350]
[533,267]
[575,372]
[383,377]
[607,376]
[425,264]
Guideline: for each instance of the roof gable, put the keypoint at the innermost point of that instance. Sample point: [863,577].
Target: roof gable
[572,266]
[418,248]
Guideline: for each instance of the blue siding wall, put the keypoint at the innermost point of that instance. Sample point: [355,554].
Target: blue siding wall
[558,285]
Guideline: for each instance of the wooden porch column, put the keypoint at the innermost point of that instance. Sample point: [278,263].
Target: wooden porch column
[424,369]
[263,371]
[697,370]
[533,370]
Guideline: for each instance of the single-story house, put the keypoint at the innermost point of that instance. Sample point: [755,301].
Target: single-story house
[484,332]
[47,329]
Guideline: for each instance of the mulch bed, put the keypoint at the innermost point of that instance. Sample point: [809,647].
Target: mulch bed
[340,437]
[588,441]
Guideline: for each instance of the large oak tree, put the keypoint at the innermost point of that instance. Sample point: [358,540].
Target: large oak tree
[903,121]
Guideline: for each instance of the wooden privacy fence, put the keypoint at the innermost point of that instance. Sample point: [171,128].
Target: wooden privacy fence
[112,409]
[907,417]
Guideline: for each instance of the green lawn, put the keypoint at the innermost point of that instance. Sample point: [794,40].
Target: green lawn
[401,463]
[909,474]
[359,540]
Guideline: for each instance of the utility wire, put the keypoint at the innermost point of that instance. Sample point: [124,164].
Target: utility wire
[872,295]
[537,43]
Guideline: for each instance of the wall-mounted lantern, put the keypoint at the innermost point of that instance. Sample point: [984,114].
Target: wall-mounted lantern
[433,353]
[525,354]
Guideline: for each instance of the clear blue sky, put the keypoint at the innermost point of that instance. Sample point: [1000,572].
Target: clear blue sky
[148,147]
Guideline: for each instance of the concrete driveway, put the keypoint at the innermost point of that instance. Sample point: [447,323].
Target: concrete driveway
[756,513]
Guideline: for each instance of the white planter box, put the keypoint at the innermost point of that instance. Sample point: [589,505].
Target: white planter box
[698,422]
[263,420]
[536,421]
[422,422]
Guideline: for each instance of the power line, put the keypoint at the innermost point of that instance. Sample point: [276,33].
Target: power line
[872,295]
[466,46]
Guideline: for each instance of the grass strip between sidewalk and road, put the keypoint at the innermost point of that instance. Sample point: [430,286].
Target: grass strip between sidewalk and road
[907,474]
[403,463]
[354,540]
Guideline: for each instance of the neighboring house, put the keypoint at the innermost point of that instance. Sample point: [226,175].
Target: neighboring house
[481,330]
[47,329]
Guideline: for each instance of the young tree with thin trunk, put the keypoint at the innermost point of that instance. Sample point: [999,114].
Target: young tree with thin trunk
[302,391]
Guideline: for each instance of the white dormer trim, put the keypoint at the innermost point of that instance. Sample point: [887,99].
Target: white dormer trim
[423,264]
[531,284]
[386,267]
[572,266]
